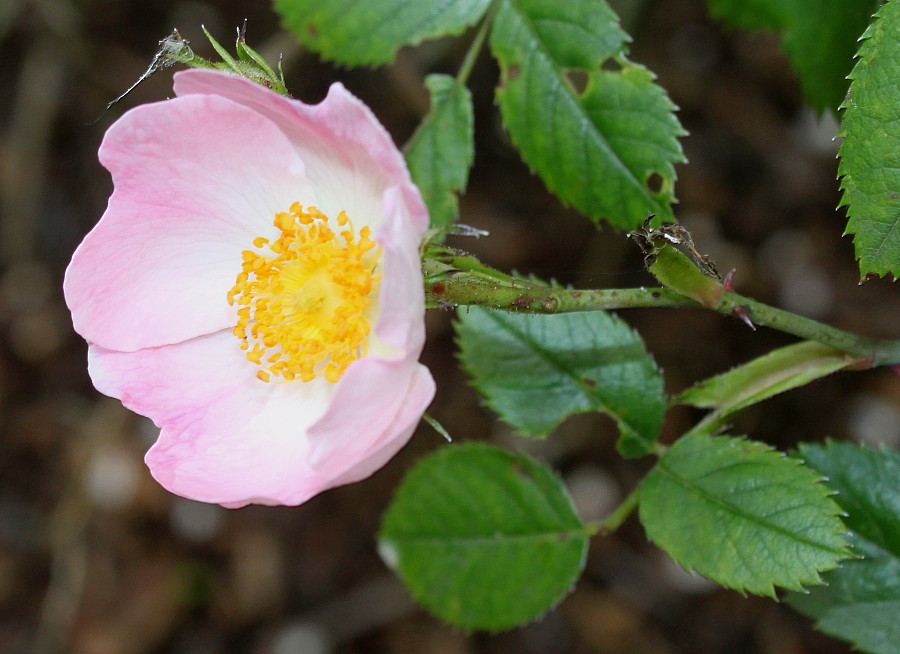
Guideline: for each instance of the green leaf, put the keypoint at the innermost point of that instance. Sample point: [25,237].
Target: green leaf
[370,32]
[776,372]
[819,37]
[868,488]
[861,603]
[484,539]
[534,370]
[591,123]
[441,151]
[870,153]
[741,514]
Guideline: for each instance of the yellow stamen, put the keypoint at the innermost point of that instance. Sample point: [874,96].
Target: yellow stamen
[303,309]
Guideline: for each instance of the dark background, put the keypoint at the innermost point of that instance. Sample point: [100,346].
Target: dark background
[95,558]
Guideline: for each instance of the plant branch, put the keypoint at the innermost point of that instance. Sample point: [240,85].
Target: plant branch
[462,281]
[876,351]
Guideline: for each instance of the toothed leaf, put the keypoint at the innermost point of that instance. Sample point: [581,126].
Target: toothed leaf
[484,539]
[870,153]
[535,370]
[441,151]
[609,148]
[370,32]
[861,602]
[742,514]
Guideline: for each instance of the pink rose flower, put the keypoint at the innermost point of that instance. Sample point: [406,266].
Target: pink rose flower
[255,288]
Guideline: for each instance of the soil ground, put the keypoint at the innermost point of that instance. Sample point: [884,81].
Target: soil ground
[95,558]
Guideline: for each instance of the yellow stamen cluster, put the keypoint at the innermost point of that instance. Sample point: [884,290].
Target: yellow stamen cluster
[302,309]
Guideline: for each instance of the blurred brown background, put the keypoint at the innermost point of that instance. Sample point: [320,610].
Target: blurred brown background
[97,559]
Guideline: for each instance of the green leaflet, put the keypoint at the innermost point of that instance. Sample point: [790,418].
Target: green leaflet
[771,374]
[369,32]
[484,539]
[441,151]
[861,603]
[534,370]
[592,124]
[741,514]
[819,37]
[870,153]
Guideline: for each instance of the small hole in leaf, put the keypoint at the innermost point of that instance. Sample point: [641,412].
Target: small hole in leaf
[312,30]
[520,471]
[578,80]
[655,183]
[611,65]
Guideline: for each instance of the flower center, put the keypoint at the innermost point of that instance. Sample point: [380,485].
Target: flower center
[302,309]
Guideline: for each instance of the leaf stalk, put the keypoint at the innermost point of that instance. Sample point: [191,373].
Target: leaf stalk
[620,514]
[462,77]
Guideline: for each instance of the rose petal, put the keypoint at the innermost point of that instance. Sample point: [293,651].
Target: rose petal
[350,157]
[375,410]
[196,179]
[401,301]
[279,443]
[226,436]
[166,382]
[245,448]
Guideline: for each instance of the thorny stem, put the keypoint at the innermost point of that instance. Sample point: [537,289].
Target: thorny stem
[875,350]
[457,281]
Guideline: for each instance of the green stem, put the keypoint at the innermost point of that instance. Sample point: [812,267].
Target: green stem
[617,517]
[462,77]
[453,285]
[468,62]
[878,351]
[453,282]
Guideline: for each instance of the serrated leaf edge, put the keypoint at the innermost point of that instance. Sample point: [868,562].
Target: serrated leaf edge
[452,190]
[663,207]
[329,55]
[489,400]
[843,554]
[385,543]
[713,499]
[844,176]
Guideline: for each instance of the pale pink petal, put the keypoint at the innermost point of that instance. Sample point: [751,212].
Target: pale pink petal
[255,443]
[226,436]
[401,302]
[350,158]
[358,447]
[196,179]
[166,382]
[245,448]
[367,399]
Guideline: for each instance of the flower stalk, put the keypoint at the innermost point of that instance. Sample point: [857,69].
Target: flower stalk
[456,279]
